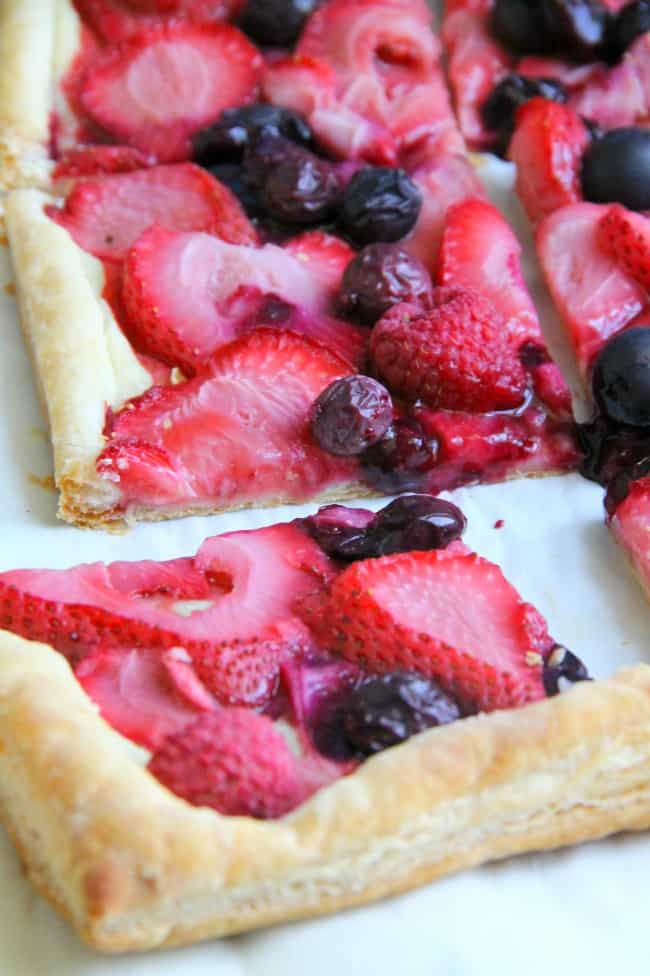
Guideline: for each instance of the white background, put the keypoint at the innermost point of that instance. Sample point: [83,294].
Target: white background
[581,911]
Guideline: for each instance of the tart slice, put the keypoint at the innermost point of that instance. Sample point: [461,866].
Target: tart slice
[325,711]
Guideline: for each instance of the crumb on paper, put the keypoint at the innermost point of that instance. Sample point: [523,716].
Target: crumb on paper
[45,482]
[10,288]
[499,523]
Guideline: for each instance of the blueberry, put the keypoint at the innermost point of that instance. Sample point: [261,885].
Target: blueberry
[227,138]
[340,531]
[562,668]
[275,23]
[351,414]
[519,24]
[621,378]
[577,28]
[379,204]
[384,710]
[380,276]
[301,189]
[264,152]
[402,459]
[616,168]
[630,22]
[613,455]
[415,522]
[232,175]
[499,109]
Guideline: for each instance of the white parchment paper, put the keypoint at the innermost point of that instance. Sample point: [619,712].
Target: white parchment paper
[582,911]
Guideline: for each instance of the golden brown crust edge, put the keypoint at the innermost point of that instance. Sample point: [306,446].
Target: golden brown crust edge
[134,867]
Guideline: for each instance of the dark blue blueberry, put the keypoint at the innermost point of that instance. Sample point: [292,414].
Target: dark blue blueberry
[384,710]
[300,189]
[351,414]
[380,276]
[275,23]
[621,378]
[227,138]
[519,24]
[415,522]
[499,109]
[562,668]
[232,175]
[576,28]
[339,530]
[402,459]
[630,22]
[379,204]
[616,168]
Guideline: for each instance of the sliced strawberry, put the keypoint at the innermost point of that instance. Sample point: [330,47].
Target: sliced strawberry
[454,356]
[449,615]
[325,256]
[138,695]
[169,81]
[625,236]
[630,523]
[620,95]
[234,761]
[480,251]
[121,20]
[239,431]
[237,586]
[106,216]
[594,296]
[100,161]
[547,147]
[187,294]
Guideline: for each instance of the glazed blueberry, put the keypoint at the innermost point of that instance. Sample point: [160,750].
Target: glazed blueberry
[576,27]
[616,168]
[561,669]
[379,204]
[630,22]
[519,24]
[351,414]
[621,378]
[227,138]
[402,459]
[384,710]
[340,531]
[380,276]
[275,23]
[231,174]
[613,454]
[500,107]
[302,189]
[415,522]
[264,152]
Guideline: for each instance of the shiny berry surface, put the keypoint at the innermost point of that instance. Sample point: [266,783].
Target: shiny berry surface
[500,107]
[630,22]
[613,454]
[379,204]
[302,189]
[340,531]
[384,710]
[616,168]
[577,28]
[415,522]
[380,276]
[402,459]
[351,414]
[227,138]
[562,669]
[275,23]
[621,378]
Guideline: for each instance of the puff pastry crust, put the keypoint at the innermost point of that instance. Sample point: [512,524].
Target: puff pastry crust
[135,867]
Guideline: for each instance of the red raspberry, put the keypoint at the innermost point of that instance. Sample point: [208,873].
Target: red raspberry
[455,356]
[232,760]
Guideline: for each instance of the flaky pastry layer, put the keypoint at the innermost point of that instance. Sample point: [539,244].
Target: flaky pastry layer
[135,867]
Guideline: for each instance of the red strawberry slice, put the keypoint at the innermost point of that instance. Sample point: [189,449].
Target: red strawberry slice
[236,587]
[138,694]
[449,615]
[480,251]
[239,431]
[232,760]
[547,147]
[121,20]
[100,160]
[169,81]
[630,523]
[620,95]
[594,296]
[625,236]
[106,216]
[187,294]
[325,256]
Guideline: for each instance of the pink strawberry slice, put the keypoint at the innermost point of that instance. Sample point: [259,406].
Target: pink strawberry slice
[142,692]
[100,161]
[236,587]
[449,615]
[187,294]
[625,236]
[325,257]
[594,296]
[122,20]
[169,81]
[620,95]
[479,250]
[238,432]
[630,523]
[106,215]
[547,147]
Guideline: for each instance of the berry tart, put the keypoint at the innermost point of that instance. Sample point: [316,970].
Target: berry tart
[255,301]
[226,734]
[593,55]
